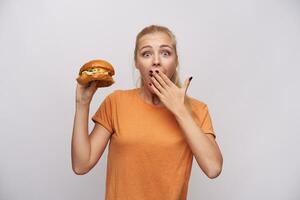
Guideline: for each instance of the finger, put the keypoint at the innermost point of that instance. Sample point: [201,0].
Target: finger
[93,87]
[187,83]
[156,91]
[160,79]
[166,79]
[157,84]
[94,84]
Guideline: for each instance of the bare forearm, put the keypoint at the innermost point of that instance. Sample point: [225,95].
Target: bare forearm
[206,151]
[80,138]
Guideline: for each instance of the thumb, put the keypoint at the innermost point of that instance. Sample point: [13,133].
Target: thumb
[92,85]
[95,84]
[187,83]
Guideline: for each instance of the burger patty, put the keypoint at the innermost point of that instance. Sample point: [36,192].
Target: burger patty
[96,71]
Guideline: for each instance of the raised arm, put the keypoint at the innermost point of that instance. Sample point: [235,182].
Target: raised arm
[86,149]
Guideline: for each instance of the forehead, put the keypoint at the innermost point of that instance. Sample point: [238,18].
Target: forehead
[155,39]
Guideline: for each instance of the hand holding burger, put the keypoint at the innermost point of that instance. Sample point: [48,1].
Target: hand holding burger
[92,75]
[100,71]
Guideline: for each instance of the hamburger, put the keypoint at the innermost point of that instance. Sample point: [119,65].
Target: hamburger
[100,71]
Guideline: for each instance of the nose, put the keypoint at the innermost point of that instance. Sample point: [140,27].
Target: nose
[156,60]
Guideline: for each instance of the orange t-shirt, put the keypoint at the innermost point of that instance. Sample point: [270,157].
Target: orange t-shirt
[148,157]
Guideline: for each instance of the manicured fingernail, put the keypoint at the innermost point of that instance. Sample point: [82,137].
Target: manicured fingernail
[190,78]
[156,71]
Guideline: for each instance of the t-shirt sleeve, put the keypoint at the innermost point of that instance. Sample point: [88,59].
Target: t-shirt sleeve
[104,113]
[206,122]
[203,119]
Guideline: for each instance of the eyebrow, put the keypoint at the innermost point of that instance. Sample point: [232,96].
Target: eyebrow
[163,45]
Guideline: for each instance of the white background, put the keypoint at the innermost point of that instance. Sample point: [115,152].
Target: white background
[244,56]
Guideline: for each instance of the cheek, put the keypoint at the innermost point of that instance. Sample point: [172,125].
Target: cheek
[144,72]
[142,65]
[170,74]
[171,69]
[170,63]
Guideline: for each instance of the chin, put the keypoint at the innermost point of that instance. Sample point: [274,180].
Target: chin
[149,88]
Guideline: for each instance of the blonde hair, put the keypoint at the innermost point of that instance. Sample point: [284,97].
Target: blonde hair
[175,78]
[162,29]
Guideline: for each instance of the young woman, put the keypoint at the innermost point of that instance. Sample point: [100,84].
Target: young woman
[154,130]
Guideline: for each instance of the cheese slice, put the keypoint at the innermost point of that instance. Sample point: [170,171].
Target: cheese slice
[95,71]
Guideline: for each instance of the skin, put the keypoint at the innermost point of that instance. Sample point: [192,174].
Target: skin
[153,54]
[88,148]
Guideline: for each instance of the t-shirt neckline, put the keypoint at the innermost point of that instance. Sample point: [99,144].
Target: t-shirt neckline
[148,104]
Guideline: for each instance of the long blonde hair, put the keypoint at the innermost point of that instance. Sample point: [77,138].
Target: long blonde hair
[153,29]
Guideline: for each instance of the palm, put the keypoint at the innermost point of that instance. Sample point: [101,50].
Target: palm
[84,94]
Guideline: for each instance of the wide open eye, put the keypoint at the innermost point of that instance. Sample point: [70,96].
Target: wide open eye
[146,54]
[166,53]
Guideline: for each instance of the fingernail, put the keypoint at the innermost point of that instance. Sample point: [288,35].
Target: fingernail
[190,78]
[156,71]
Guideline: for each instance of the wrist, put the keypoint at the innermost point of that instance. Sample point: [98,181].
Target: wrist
[181,112]
[82,104]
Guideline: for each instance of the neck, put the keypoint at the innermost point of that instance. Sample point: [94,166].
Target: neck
[150,97]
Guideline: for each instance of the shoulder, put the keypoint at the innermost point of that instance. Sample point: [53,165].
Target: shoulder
[121,93]
[199,109]
[196,103]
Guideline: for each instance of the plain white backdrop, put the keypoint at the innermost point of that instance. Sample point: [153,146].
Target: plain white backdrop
[244,57]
